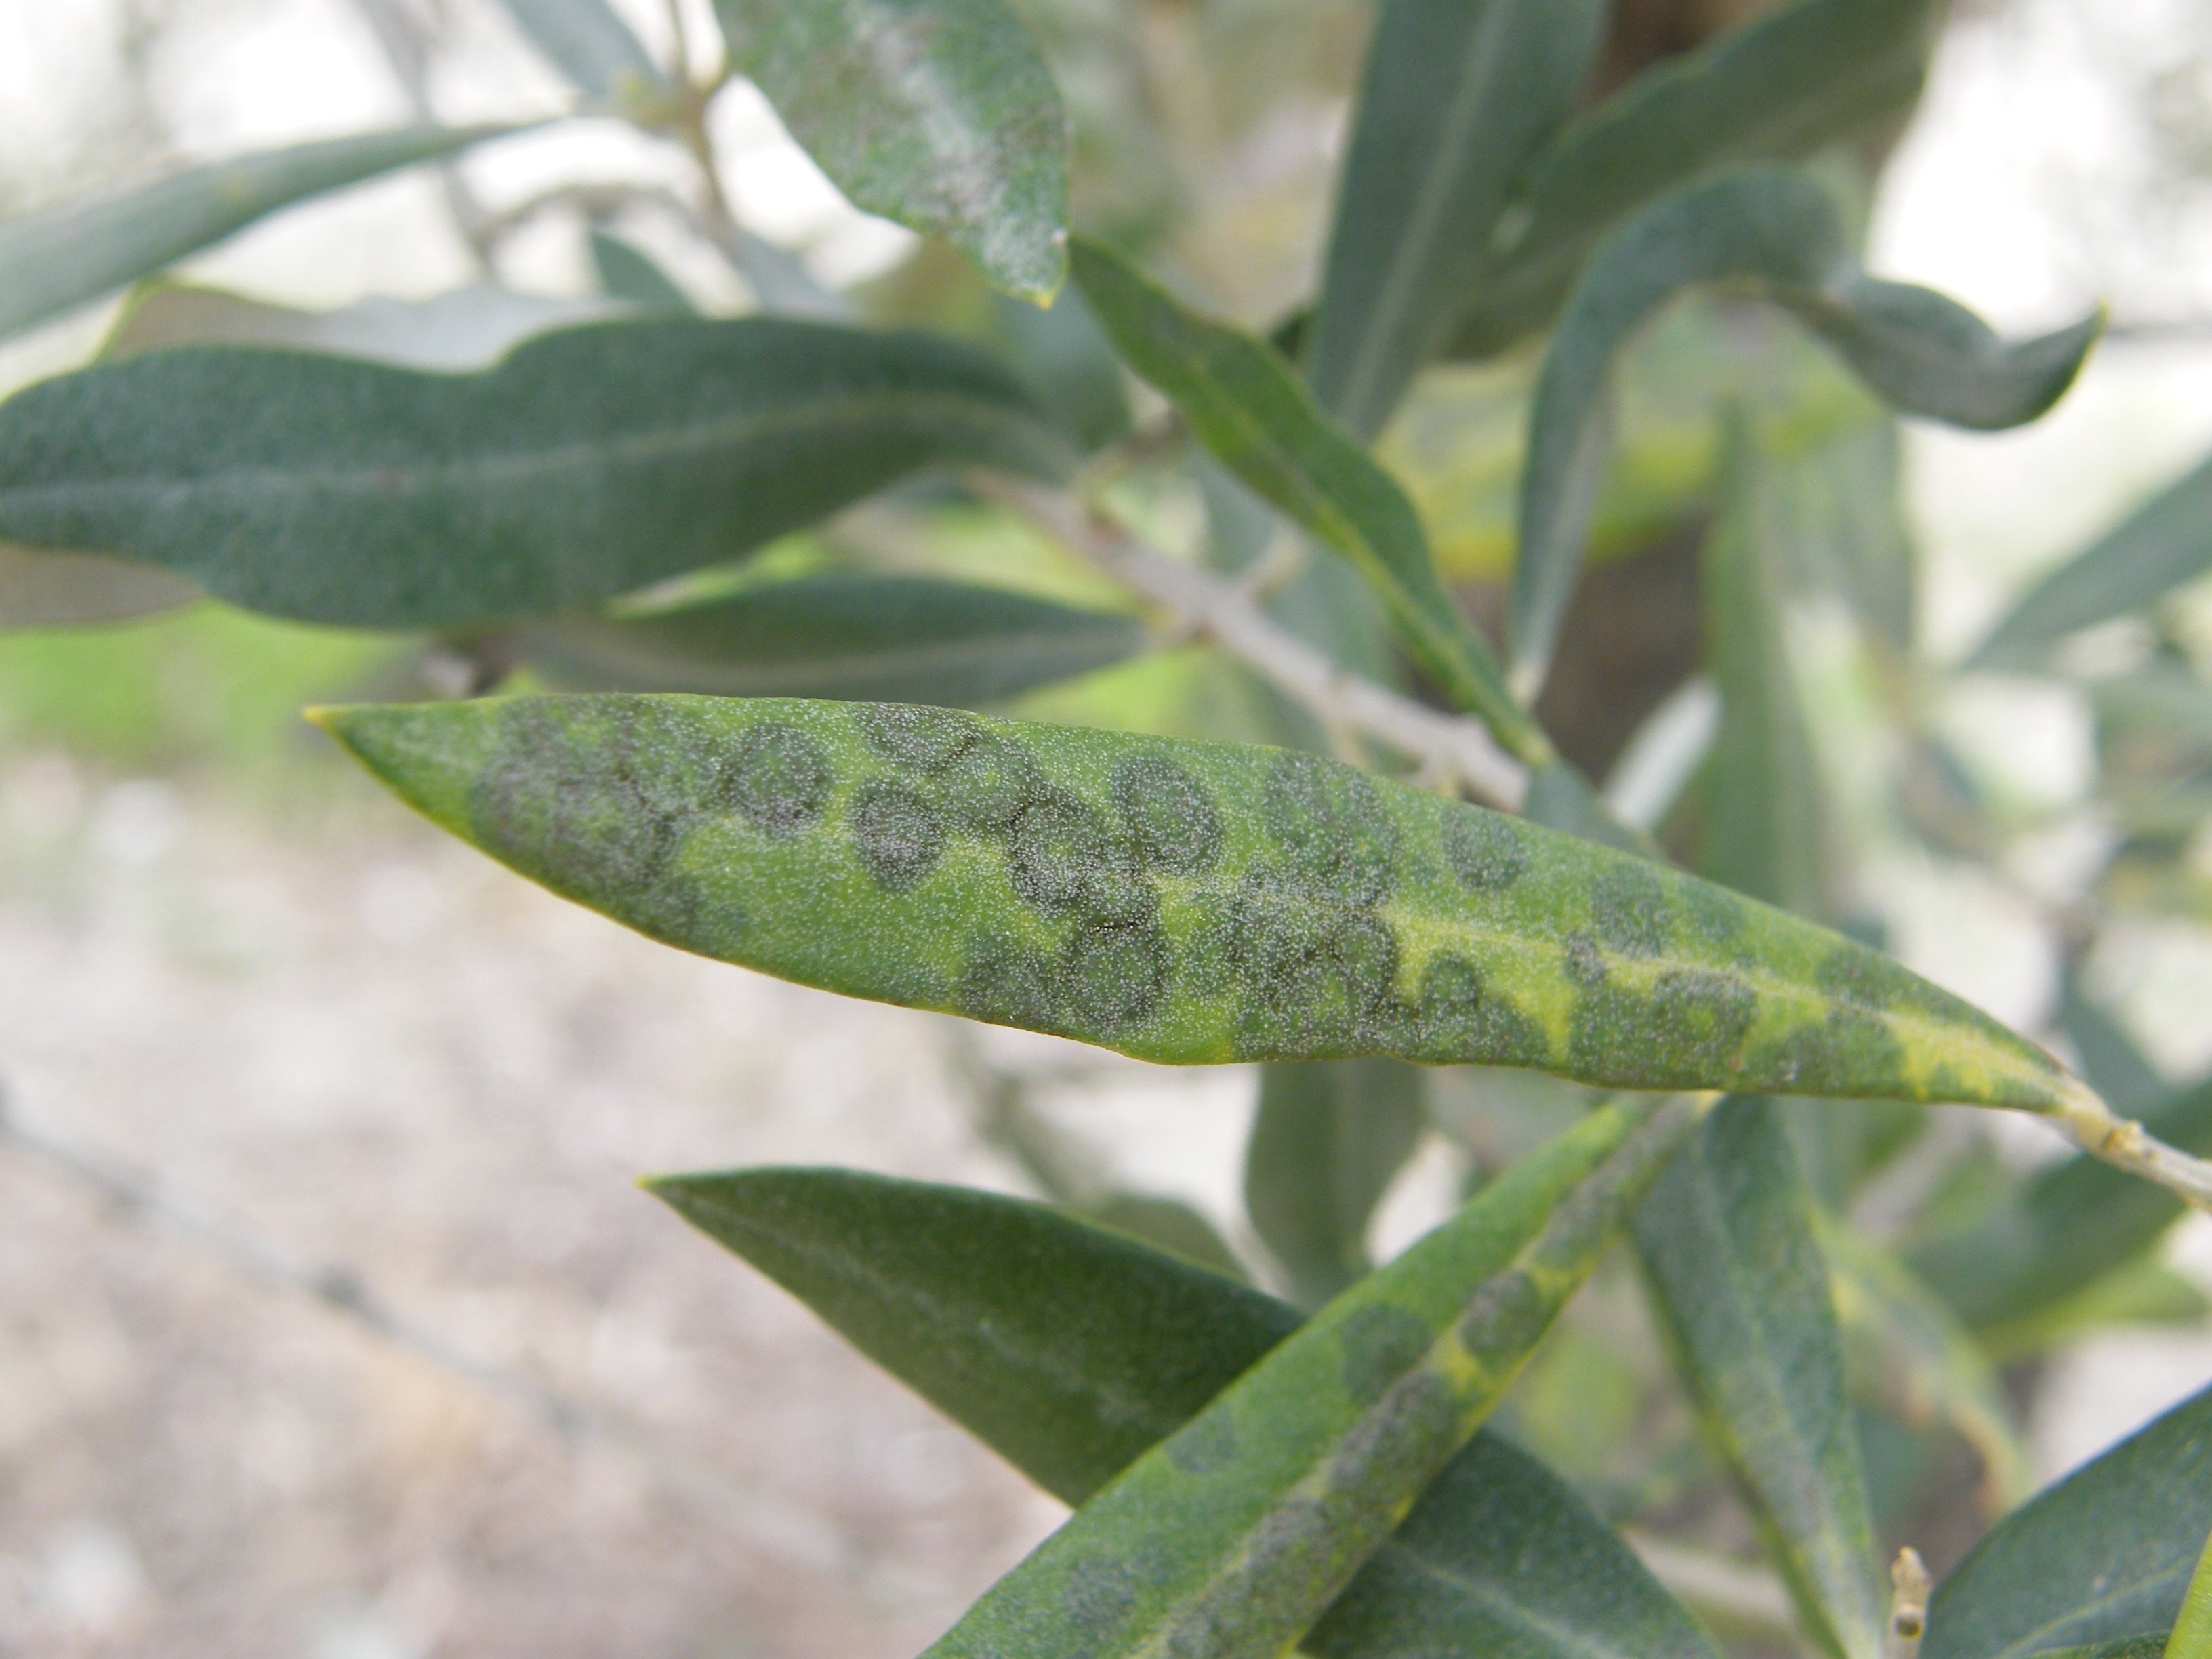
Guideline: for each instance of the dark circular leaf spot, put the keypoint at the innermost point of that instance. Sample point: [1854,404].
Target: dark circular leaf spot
[779,779]
[1485,849]
[1172,823]
[899,834]
[1067,863]
[1331,820]
[926,739]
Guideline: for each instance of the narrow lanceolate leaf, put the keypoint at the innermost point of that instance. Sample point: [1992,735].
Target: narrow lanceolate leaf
[965,1297]
[1780,88]
[903,639]
[1329,1137]
[1763,821]
[1231,1538]
[1456,99]
[2149,1645]
[1781,235]
[1246,405]
[938,113]
[1185,902]
[2192,1632]
[39,589]
[2104,1555]
[628,275]
[1739,1281]
[590,462]
[65,256]
[2077,1223]
[2166,543]
[591,46]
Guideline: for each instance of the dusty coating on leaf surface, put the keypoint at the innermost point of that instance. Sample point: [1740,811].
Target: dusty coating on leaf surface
[1180,901]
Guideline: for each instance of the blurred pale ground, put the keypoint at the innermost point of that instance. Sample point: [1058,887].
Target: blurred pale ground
[343,1035]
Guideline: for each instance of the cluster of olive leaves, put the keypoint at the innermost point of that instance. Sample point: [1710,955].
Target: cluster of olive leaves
[1247,1481]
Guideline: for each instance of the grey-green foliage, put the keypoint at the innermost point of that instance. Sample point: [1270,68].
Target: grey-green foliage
[2163,544]
[1329,1137]
[1780,235]
[1457,95]
[587,464]
[969,1299]
[591,45]
[626,274]
[859,637]
[2102,1556]
[62,257]
[1780,88]
[938,113]
[1728,1243]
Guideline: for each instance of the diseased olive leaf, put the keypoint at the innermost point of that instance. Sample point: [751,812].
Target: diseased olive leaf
[1230,1538]
[590,462]
[1456,98]
[938,113]
[2077,1223]
[62,257]
[39,589]
[972,1299]
[2191,1637]
[1741,1288]
[2149,1646]
[1778,87]
[1327,1140]
[866,638]
[587,42]
[1185,902]
[2163,544]
[628,275]
[1780,235]
[1246,405]
[2104,1555]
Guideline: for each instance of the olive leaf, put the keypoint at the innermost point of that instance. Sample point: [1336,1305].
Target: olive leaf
[590,44]
[1327,1140]
[1456,98]
[1247,406]
[41,589]
[2191,1637]
[903,639]
[2100,1556]
[964,1295]
[1233,1535]
[1779,236]
[1187,903]
[1728,1245]
[938,113]
[65,256]
[2163,544]
[1778,87]
[628,275]
[589,463]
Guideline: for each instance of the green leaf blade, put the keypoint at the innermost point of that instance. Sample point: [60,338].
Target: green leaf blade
[53,260]
[972,1300]
[1180,901]
[939,114]
[1232,1537]
[590,44]
[1778,87]
[1454,99]
[852,637]
[2105,1554]
[1328,1137]
[1782,234]
[590,462]
[1728,1245]
[1246,405]
[2162,544]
